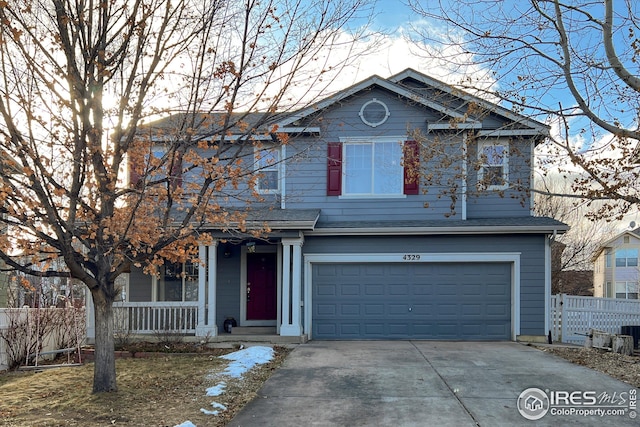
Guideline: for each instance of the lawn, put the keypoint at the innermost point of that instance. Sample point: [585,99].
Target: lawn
[159,391]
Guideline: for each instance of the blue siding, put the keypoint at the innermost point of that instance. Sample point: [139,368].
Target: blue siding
[228,284]
[531,248]
[306,176]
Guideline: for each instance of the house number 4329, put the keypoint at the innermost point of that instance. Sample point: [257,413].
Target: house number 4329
[411,257]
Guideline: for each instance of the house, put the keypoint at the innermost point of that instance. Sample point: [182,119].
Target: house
[616,273]
[399,211]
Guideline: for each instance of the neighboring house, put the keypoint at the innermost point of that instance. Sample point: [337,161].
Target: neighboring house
[358,248]
[616,271]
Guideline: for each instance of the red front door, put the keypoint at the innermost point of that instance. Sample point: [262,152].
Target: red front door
[261,286]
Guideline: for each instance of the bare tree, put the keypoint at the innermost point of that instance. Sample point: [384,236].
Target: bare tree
[571,64]
[78,81]
[573,251]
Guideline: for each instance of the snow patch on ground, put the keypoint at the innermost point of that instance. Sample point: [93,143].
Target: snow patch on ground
[244,360]
[217,389]
[241,361]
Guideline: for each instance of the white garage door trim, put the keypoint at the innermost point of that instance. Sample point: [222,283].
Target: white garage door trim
[415,257]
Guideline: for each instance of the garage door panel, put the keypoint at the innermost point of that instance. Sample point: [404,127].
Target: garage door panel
[374,290]
[471,309]
[324,290]
[414,300]
[374,309]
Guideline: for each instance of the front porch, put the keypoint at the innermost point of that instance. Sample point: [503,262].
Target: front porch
[257,283]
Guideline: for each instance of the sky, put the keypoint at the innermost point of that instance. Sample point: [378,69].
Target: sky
[241,361]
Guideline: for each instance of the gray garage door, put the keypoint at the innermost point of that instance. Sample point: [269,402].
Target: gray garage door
[447,301]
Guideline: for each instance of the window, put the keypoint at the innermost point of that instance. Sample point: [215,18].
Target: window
[607,258]
[267,164]
[608,290]
[373,168]
[374,113]
[626,258]
[173,164]
[178,282]
[627,290]
[494,165]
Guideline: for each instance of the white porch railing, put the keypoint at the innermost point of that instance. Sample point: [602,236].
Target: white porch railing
[572,316]
[155,317]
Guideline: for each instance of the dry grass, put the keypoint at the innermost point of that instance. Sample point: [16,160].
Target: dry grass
[161,391]
[625,368]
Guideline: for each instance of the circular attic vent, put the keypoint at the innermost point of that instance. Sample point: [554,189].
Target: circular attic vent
[374,113]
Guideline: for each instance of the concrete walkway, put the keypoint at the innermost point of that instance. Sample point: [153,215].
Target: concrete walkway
[421,383]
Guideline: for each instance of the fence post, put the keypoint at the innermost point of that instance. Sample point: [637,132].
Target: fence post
[563,320]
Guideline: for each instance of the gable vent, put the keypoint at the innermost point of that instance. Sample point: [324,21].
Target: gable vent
[374,113]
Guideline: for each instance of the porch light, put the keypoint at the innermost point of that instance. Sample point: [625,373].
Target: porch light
[251,247]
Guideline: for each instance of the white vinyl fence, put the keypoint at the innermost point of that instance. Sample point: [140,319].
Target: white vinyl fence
[573,316]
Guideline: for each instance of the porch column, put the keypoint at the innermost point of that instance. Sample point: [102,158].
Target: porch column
[207,291]
[291,287]
[213,289]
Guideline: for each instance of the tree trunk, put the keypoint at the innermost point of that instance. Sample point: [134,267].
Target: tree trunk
[104,370]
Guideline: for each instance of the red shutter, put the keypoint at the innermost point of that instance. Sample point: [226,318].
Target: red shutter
[334,169]
[176,170]
[134,177]
[411,167]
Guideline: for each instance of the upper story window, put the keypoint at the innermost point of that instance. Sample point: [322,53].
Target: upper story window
[372,168]
[608,254]
[374,113]
[268,165]
[493,173]
[626,257]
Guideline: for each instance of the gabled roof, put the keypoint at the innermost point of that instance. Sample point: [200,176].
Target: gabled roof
[469,98]
[262,124]
[609,243]
[395,84]
[371,81]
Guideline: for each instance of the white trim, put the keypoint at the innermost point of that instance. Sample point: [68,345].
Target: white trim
[427,231]
[465,138]
[454,126]
[508,132]
[201,328]
[366,104]
[277,166]
[547,284]
[292,287]
[505,163]
[502,257]
[532,177]
[283,172]
[308,129]
[212,290]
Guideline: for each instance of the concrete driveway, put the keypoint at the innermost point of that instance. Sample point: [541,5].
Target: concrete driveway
[431,383]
